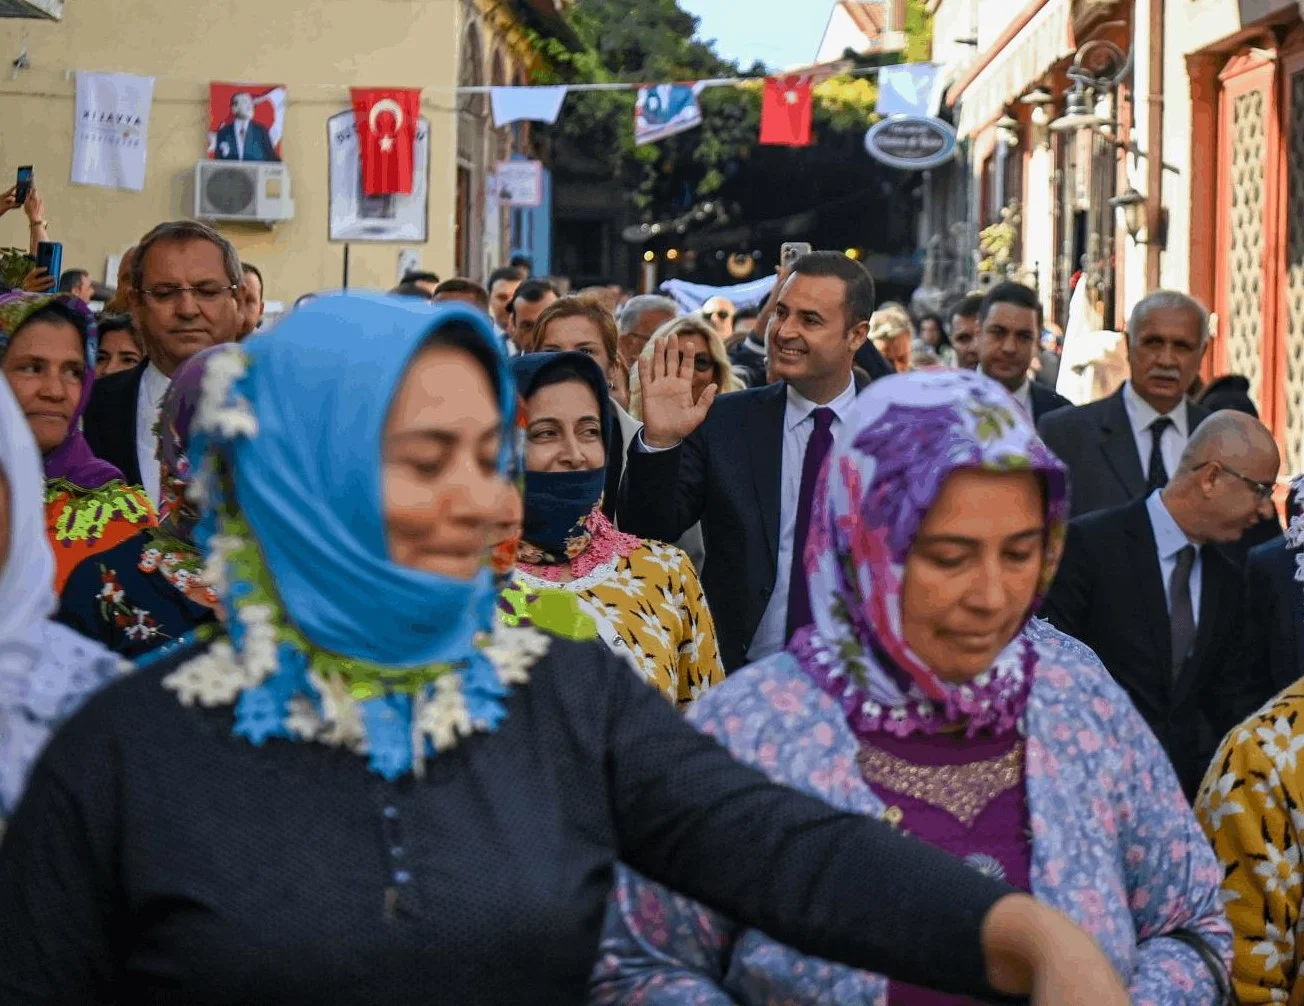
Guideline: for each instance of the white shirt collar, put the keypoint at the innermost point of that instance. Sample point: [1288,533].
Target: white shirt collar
[154,383]
[800,407]
[1141,413]
[1169,538]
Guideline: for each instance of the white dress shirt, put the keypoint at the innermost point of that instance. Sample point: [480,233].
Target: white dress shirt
[1169,540]
[1140,414]
[241,127]
[153,386]
[797,428]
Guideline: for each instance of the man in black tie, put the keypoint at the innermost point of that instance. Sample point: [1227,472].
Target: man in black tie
[747,467]
[1145,587]
[1127,445]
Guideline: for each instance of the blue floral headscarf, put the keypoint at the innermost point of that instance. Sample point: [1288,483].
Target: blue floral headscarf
[903,439]
[319,616]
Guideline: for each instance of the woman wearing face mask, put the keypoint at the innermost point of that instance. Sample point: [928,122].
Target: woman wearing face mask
[581,325]
[364,791]
[147,592]
[644,596]
[47,354]
[46,671]
[924,695]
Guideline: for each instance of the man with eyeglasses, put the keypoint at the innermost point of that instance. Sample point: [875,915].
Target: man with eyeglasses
[720,312]
[185,278]
[1146,586]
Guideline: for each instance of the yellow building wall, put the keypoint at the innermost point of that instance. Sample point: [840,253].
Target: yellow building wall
[317,48]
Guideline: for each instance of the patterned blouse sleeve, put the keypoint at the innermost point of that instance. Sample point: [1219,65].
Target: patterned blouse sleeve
[1171,875]
[1246,809]
[699,652]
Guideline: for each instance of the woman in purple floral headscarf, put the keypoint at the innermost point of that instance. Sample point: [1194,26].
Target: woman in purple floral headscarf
[147,591]
[47,354]
[927,694]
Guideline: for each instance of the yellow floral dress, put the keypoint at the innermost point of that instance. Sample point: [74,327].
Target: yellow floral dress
[1252,808]
[648,605]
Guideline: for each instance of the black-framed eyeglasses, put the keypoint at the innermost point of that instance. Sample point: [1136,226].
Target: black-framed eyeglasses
[721,315]
[1263,490]
[205,293]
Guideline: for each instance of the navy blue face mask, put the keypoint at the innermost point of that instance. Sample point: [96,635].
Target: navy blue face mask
[558,506]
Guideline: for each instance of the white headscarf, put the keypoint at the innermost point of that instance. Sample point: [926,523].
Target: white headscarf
[46,670]
[27,577]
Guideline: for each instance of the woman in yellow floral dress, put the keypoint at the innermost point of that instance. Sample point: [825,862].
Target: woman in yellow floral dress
[47,354]
[644,596]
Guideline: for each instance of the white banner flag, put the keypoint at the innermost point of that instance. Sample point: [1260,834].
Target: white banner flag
[112,130]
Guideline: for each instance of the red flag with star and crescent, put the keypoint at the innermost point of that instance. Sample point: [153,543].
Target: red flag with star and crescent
[786,112]
[387,119]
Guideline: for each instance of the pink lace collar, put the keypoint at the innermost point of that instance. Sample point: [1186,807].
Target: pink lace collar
[606,543]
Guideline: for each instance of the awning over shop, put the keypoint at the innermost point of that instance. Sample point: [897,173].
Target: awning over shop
[1029,48]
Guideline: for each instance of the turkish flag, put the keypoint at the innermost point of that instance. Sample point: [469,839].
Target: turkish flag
[387,119]
[786,112]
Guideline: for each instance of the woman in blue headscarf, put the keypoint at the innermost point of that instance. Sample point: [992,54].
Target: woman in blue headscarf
[368,789]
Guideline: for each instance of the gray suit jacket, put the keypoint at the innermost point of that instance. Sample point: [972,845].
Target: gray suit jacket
[1097,444]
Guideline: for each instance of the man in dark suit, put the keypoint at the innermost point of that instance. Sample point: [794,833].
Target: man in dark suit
[183,298]
[1144,586]
[1125,446]
[1009,333]
[746,467]
[241,138]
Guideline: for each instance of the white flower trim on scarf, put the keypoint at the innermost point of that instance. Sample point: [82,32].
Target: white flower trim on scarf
[219,676]
[599,575]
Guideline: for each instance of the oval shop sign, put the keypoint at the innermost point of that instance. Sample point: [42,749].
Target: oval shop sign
[911,142]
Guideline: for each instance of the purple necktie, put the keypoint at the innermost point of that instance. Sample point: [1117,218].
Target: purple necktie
[817,450]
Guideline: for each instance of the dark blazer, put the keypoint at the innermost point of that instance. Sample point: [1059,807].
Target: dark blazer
[1045,400]
[258,144]
[728,475]
[110,421]
[1109,593]
[1097,444]
[1274,619]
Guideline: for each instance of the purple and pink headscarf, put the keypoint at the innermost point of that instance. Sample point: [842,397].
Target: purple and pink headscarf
[903,439]
[72,460]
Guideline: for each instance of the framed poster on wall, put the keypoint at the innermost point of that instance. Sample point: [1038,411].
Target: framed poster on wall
[358,217]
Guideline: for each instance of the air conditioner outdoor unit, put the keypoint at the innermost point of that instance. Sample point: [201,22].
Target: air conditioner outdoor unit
[254,191]
[46,10]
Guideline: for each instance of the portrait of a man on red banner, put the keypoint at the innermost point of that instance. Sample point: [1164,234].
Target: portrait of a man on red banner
[245,121]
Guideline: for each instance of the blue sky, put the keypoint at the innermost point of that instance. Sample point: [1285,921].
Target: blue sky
[769,30]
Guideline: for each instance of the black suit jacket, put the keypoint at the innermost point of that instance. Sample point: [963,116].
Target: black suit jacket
[1045,400]
[1109,593]
[727,475]
[110,421]
[1274,619]
[258,144]
[1097,444]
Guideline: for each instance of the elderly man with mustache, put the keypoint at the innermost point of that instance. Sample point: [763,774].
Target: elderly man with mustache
[1126,446]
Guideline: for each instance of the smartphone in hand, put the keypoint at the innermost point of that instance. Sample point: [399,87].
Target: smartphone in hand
[49,256]
[793,250]
[24,186]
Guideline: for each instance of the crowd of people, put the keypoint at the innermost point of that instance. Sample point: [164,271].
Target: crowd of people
[518,646]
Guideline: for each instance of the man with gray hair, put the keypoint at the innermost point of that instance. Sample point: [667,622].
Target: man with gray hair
[1147,587]
[639,319]
[184,281]
[1128,445]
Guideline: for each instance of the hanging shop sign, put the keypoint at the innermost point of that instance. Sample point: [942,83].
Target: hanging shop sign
[911,142]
